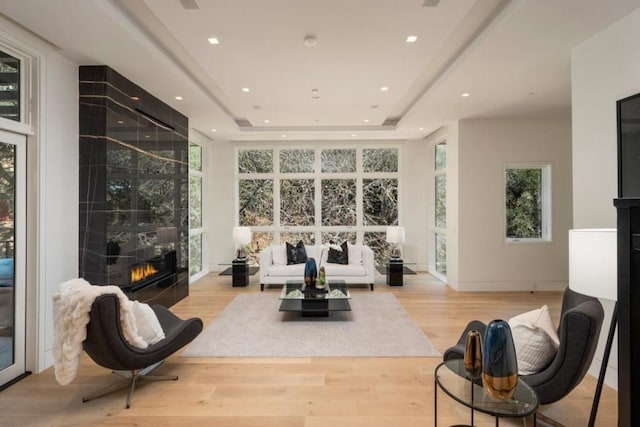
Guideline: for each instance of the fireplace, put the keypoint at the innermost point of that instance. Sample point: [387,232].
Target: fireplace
[134,175]
[152,271]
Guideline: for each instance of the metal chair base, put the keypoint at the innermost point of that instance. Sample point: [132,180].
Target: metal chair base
[130,378]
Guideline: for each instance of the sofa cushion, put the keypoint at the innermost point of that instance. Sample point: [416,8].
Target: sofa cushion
[279,254]
[355,253]
[339,256]
[296,254]
[332,270]
[287,270]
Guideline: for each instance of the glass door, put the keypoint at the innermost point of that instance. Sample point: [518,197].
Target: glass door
[12,255]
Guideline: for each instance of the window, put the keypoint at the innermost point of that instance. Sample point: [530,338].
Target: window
[440,208]
[195,209]
[317,194]
[9,87]
[527,202]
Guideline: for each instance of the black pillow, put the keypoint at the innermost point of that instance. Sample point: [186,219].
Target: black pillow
[296,254]
[339,257]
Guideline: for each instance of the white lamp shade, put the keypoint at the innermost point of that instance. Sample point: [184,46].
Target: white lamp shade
[395,234]
[242,235]
[593,262]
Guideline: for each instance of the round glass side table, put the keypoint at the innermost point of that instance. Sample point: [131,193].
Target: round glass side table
[451,377]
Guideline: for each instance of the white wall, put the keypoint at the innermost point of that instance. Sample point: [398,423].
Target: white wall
[60,167]
[486,261]
[219,203]
[52,194]
[416,192]
[604,69]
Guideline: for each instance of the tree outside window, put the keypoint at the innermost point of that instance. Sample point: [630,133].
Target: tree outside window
[527,207]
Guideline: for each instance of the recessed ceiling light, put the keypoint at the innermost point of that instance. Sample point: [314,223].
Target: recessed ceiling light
[213,130]
[353,135]
[245,89]
[135,98]
[531,93]
[420,128]
[147,136]
[284,136]
[374,106]
[384,88]
[466,94]
[267,121]
[366,120]
[213,40]
[256,107]
[412,39]
[120,121]
[179,98]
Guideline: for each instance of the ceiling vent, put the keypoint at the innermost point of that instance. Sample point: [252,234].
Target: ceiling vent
[243,123]
[428,3]
[391,121]
[189,4]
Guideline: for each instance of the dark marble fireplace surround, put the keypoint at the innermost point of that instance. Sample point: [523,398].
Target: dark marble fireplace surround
[133,188]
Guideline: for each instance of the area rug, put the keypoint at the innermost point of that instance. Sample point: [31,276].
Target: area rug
[252,326]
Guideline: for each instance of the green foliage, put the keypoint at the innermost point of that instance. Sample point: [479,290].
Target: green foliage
[524,203]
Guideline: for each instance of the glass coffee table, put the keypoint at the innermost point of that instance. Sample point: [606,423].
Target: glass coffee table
[312,302]
[451,377]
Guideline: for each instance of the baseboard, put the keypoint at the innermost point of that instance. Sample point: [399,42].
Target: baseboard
[528,286]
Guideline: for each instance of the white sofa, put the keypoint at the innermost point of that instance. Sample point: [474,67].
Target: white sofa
[276,271]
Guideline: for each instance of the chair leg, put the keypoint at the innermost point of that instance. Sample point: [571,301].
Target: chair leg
[130,378]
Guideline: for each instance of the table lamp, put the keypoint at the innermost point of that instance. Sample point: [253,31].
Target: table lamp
[593,271]
[241,237]
[395,236]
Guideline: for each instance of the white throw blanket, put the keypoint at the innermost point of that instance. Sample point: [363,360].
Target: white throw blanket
[71,306]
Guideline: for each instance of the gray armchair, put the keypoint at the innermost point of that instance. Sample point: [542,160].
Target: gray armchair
[579,329]
[106,345]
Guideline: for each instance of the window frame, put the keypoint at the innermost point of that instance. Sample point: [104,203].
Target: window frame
[546,208]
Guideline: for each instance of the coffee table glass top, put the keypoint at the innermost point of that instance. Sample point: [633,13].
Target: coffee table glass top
[296,289]
[454,381]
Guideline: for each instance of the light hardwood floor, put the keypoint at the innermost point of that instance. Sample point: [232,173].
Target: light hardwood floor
[297,392]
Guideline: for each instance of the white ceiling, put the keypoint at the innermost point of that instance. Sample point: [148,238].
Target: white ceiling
[512,56]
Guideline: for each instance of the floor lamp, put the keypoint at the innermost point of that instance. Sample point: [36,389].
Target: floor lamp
[593,271]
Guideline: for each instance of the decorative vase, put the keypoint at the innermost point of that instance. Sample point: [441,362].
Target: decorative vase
[310,272]
[322,279]
[499,363]
[473,355]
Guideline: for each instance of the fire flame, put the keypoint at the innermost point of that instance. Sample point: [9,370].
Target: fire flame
[140,272]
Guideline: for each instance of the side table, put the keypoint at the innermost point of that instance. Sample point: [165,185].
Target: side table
[395,272]
[451,377]
[240,272]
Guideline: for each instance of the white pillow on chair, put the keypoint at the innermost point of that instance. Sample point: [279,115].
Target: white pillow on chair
[149,327]
[535,339]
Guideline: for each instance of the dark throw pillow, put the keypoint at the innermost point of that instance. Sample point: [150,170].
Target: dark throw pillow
[339,257]
[296,254]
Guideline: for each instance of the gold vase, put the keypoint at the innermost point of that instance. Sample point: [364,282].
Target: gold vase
[473,355]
